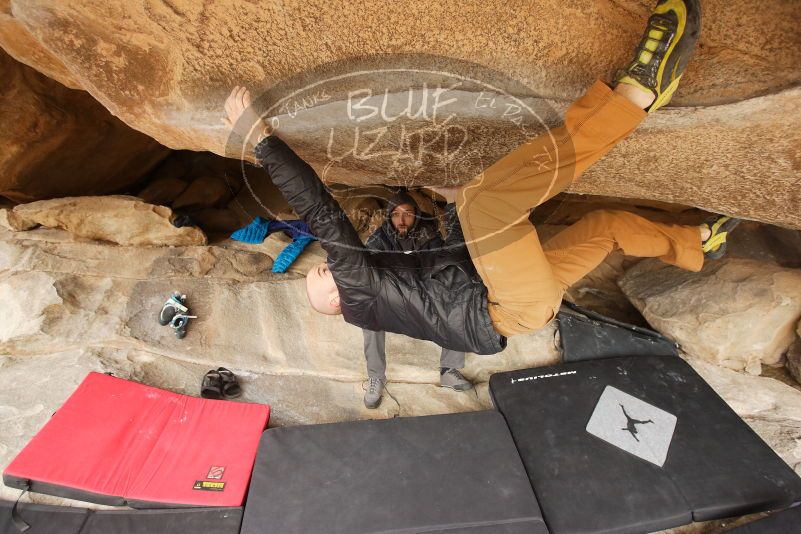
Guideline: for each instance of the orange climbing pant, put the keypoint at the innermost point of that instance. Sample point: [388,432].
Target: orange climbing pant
[526,280]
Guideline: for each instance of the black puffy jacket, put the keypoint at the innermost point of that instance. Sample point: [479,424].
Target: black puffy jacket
[433,294]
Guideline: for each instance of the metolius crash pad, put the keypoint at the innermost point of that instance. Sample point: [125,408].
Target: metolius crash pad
[636,444]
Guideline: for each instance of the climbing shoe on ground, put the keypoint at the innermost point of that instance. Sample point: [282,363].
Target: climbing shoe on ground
[665,49]
[174,305]
[375,389]
[714,246]
[452,378]
[179,323]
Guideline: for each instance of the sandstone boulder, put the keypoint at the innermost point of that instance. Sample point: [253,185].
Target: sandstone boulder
[737,313]
[170,82]
[794,356]
[23,46]
[60,142]
[118,219]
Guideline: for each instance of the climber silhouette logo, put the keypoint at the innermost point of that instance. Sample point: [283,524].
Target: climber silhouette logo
[631,425]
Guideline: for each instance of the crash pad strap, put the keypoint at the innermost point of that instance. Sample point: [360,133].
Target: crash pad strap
[20,523]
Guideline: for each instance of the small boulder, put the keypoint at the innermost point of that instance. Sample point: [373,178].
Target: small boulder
[737,313]
[119,219]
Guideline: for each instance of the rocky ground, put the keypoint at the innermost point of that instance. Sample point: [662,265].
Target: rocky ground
[73,304]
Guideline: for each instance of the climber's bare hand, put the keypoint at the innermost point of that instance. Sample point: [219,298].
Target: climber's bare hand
[242,118]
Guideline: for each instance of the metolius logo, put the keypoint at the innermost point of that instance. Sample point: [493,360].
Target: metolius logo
[538,377]
[633,425]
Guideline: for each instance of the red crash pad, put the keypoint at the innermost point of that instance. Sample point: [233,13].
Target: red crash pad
[120,442]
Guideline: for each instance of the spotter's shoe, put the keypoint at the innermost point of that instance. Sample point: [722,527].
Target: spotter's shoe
[375,389]
[714,246]
[665,49]
[452,378]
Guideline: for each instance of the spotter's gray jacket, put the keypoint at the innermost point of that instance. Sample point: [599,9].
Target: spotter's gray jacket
[433,294]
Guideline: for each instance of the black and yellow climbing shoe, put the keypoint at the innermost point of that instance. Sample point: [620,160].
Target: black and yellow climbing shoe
[665,49]
[714,246]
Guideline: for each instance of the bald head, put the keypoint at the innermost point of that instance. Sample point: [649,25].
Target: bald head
[322,290]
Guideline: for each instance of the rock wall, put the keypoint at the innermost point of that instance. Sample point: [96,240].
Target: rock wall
[60,142]
[165,68]
[737,313]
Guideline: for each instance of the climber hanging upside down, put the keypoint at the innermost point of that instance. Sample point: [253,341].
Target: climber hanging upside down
[492,278]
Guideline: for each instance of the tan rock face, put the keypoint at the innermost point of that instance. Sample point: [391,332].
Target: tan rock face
[115,218]
[165,69]
[24,47]
[736,313]
[58,142]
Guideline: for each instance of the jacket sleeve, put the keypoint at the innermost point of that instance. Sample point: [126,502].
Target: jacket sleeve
[374,242]
[308,196]
[453,227]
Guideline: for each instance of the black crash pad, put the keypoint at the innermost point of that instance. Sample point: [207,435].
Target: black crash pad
[715,465]
[45,519]
[457,473]
[784,522]
[219,520]
[588,335]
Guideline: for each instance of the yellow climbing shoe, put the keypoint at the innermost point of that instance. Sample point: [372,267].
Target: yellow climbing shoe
[665,49]
[714,246]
